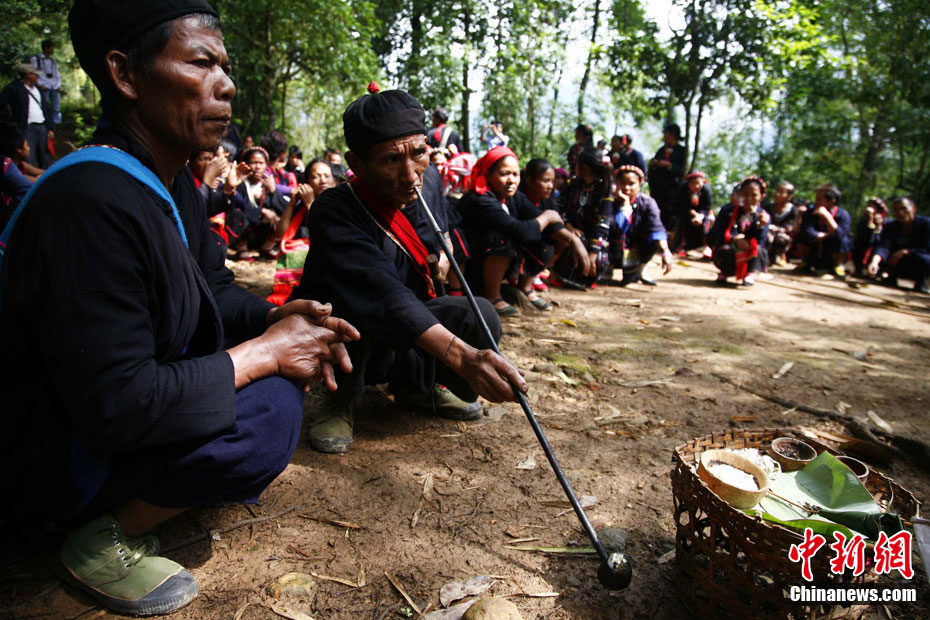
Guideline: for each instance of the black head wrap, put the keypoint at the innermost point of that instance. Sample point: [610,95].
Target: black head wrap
[98,26]
[381,116]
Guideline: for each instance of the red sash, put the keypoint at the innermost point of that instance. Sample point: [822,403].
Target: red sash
[742,258]
[399,228]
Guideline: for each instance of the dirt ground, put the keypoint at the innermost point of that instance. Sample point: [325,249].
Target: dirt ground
[363,516]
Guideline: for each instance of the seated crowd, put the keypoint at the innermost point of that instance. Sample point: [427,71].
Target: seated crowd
[164,386]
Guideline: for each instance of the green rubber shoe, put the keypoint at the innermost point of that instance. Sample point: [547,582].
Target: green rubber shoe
[439,401]
[122,572]
[331,429]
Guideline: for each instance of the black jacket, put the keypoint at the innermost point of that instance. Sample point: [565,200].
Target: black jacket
[115,328]
[369,280]
[14,105]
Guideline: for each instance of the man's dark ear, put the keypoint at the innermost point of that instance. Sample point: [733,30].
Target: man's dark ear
[354,161]
[119,74]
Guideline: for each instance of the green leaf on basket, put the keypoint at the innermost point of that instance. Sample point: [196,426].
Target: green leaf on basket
[832,487]
[835,486]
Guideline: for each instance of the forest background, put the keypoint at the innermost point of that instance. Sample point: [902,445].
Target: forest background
[805,90]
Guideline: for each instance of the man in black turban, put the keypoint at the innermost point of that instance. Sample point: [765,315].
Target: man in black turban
[370,240]
[123,408]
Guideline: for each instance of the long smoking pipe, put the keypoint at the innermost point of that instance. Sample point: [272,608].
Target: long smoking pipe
[616,569]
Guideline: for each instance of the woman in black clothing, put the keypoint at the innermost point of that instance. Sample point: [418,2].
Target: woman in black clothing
[509,235]
[538,185]
[694,202]
[784,216]
[868,232]
[587,207]
[264,206]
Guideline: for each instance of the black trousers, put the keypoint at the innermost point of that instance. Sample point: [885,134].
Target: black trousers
[725,260]
[914,267]
[37,138]
[374,362]
[233,466]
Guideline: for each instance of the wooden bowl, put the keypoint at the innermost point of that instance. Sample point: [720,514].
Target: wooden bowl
[792,454]
[733,495]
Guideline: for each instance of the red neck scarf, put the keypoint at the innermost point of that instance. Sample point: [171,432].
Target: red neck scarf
[400,227]
[478,180]
[437,132]
[742,258]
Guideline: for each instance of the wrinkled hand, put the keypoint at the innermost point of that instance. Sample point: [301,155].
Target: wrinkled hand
[487,374]
[305,352]
[319,316]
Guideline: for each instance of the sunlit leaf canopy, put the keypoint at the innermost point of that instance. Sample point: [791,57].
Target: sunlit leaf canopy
[807,90]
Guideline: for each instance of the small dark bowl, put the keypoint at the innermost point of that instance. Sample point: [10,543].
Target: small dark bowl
[792,454]
[858,467]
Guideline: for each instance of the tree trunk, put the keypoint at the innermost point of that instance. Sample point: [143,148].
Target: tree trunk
[269,80]
[284,82]
[466,64]
[555,104]
[687,137]
[697,136]
[878,138]
[591,55]
[531,108]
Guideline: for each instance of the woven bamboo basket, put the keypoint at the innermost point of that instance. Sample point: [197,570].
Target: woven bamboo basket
[730,565]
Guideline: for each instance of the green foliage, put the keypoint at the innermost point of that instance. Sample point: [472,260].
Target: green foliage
[855,106]
[822,90]
[520,75]
[310,46]
[25,23]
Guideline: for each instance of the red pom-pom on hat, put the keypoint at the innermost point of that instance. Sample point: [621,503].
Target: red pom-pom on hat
[373,87]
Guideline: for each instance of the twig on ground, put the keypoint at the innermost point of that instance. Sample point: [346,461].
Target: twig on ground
[209,534]
[334,522]
[403,593]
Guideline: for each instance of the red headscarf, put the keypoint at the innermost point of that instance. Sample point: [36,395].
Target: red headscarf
[478,180]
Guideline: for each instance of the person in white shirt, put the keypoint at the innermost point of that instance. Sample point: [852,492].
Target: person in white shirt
[21,102]
[493,135]
[49,80]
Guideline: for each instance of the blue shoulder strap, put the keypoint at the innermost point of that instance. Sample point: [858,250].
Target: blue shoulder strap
[99,154]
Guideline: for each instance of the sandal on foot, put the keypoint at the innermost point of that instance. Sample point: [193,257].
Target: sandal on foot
[506,311]
[538,302]
[541,304]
